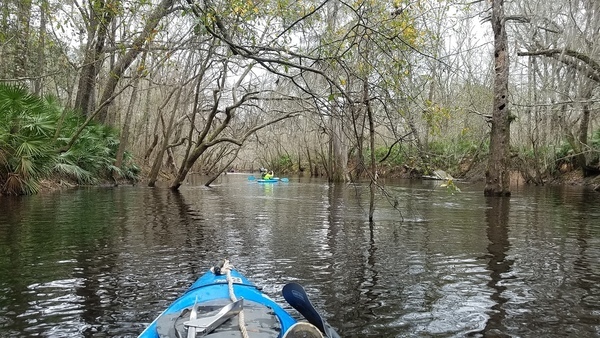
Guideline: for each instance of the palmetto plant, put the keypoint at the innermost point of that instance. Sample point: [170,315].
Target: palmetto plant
[92,156]
[33,131]
[26,126]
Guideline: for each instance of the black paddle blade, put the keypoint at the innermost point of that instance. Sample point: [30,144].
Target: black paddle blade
[295,295]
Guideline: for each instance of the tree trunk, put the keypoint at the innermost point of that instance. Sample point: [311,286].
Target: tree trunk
[151,148]
[223,169]
[22,42]
[339,150]
[96,31]
[40,66]
[125,129]
[187,166]
[167,132]
[497,178]
[533,122]
[311,169]
[123,63]
[373,165]
[582,137]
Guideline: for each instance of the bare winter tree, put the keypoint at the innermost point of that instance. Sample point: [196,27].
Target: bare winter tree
[567,46]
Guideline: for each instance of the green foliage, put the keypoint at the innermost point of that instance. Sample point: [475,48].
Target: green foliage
[564,151]
[285,162]
[436,116]
[393,157]
[448,154]
[595,141]
[92,156]
[279,163]
[564,154]
[26,124]
[33,131]
[595,145]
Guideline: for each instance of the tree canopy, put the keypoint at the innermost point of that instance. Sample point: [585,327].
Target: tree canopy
[343,89]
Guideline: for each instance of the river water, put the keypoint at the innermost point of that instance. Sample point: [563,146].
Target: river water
[103,262]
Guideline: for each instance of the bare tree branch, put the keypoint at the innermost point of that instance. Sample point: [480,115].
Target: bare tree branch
[590,67]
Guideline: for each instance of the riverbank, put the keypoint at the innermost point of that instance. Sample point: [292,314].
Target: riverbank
[476,174]
[576,178]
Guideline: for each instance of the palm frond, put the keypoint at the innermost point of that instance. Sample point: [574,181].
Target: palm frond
[32,147]
[39,125]
[31,186]
[74,172]
[13,185]
[16,99]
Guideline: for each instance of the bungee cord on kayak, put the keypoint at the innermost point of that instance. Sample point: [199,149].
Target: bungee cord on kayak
[226,267]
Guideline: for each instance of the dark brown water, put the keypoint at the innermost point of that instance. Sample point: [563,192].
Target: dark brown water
[103,262]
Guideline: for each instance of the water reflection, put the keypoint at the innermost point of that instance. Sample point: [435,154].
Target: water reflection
[105,262]
[499,266]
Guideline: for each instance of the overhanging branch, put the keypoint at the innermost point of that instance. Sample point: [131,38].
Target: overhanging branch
[574,59]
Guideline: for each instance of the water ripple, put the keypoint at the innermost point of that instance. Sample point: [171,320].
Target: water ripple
[105,262]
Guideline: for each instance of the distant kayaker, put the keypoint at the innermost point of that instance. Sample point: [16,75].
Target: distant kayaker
[268,175]
[263,172]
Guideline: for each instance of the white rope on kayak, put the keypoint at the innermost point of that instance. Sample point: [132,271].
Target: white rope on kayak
[242,325]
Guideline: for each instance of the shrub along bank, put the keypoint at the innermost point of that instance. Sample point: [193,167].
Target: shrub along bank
[34,134]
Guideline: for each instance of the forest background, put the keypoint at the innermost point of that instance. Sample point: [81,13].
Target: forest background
[155,90]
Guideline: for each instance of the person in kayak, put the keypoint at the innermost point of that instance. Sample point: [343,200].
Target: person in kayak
[268,175]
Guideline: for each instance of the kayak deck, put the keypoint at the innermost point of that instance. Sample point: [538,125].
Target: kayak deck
[208,295]
[258,319]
